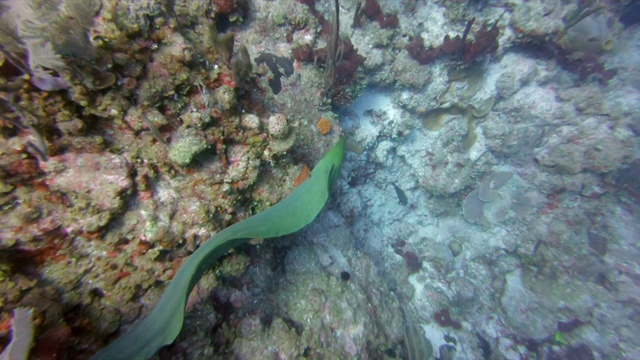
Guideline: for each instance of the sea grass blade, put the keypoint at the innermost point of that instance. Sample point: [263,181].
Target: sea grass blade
[163,324]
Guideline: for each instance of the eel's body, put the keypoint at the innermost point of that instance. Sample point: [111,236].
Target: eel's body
[163,324]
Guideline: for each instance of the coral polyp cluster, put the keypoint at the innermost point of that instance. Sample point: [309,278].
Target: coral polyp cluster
[323,125]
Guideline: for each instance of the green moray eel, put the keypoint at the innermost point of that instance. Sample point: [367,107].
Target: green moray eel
[164,323]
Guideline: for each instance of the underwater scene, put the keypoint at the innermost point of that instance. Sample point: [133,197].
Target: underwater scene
[320,179]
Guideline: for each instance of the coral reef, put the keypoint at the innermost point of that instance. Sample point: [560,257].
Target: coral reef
[577,39]
[564,154]
[583,64]
[340,57]
[345,68]
[95,176]
[99,199]
[492,181]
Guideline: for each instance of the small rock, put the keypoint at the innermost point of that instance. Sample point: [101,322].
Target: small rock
[519,71]
[456,248]
[225,97]
[525,313]
[193,119]
[73,127]
[250,121]
[281,146]
[187,147]
[96,184]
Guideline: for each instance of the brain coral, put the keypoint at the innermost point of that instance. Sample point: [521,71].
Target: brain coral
[277,126]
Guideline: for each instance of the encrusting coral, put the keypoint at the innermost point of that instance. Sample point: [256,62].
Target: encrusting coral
[302,176]
[323,125]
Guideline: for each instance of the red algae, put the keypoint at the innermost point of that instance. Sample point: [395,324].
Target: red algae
[414,264]
[443,318]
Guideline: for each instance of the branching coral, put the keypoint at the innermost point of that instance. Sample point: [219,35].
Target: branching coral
[345,67]
[340,57]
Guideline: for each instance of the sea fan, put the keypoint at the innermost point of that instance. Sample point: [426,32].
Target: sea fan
[47,30]
[8,37]
[21,335]
[25,32]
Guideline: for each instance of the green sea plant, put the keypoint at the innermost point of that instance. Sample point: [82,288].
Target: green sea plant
[559,339]
[164,323]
